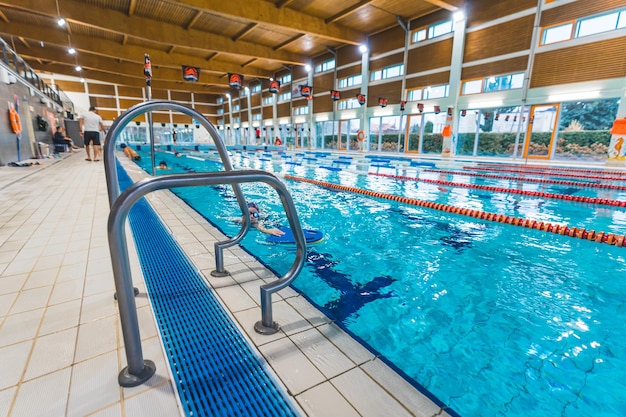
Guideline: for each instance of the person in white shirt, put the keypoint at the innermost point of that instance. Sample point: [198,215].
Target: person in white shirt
[90,127]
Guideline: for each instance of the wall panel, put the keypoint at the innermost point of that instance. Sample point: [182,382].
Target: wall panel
[322,104]
[387,61]
[391,91]
[578,9]
[106,89]
[507,66]
[481,11]
[512,36]
[596,61]
[430,79]
[126,91]
[386,41]
[428,57]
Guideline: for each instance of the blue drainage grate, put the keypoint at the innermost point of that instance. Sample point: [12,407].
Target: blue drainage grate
[216,371]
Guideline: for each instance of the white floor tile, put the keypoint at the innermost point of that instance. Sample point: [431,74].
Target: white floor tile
[6,397]
[155,402]
[98,306]
[6,302]
[95,338]
[324,355]
[45,396]
[51,353]
[325,401]
[60,317]
[41,278]
[94,385]
[67,291]
[13,363]
[20,327]
[31,299]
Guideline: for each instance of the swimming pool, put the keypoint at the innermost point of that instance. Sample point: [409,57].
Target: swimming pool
[490,318]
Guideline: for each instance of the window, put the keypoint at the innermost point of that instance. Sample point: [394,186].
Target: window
[584,27]
[285,96]
[494,83]
[325,66]
[220,100]
[236,119]
[256,88]
[299,111]
[220,111]
[438,91]
[236,107]
[268,100]
[350,103]
[432,31]
[597,24]
[557,33]
[389,72]
[350,81]
[472,87]
[285,79]
[440,29]
[414,95]
[257,116]
[418,35]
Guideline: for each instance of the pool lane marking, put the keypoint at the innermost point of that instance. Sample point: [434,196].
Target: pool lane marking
[560,169]
[578,199]
[581,233]
[538,180]
[552,174]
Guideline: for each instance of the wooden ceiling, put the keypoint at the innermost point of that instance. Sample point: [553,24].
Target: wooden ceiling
[255,38]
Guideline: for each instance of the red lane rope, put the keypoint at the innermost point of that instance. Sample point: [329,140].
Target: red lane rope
[552,174]
[561,169]
[579,199]
[581,233]
[537,180]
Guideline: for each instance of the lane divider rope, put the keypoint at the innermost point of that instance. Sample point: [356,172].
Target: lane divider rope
[579,199]
[552,174]
[580,233]
[561,169]
[537,180]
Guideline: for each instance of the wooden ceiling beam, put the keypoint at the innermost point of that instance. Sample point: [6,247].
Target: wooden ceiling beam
[193,20]
[347,11]
[129,52]
[156,31]
[443,5]
[4,17]
[131,7]
[88,73]
[244,31]
[288,41]
[266,13]
[283,3]
[112,65]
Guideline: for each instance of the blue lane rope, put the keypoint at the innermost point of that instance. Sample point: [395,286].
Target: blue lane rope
[215,369]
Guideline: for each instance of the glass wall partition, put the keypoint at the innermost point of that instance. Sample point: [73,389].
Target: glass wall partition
[326,135]
[585,129]
[492,132]
[387,133]
[414,133]
[348,130]
[541,131]
[432,139]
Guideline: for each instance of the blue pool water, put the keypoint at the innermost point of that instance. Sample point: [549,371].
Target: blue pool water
[491,319]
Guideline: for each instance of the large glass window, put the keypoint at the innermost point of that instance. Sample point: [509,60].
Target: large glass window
[325,66]
[432,31]
[389,72]
[350,81]
[584,129]
[557,33]
[414,94]
[472,87]
[350,103]
[387,134]
[437,91]
[597,24]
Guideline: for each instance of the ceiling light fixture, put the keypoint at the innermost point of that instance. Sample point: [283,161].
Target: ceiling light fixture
[71,51]
[78,68]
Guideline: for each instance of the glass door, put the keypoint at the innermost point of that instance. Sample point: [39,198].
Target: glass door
[541,131]
[414,133]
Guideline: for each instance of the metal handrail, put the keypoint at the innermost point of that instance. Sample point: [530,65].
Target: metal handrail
[111,172]
[139,370]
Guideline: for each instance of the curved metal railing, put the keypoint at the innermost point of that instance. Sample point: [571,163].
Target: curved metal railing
[139,370]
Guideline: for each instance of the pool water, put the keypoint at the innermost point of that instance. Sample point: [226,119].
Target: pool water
[491,319]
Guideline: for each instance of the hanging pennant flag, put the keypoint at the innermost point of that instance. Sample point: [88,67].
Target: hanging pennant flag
[147,68]
[450,109]
[306,90]
[274,86]
[191,73]
[335,95]
[437,109]
[382,102]
[420,107]
[361,99]
[235,80]
[463,113]
[402,105]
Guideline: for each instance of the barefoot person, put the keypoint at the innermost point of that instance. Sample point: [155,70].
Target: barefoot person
[91,126]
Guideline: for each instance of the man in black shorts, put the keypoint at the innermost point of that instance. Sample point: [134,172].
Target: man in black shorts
[91,126]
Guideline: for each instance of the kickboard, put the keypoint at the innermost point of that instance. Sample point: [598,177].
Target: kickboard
[311,236]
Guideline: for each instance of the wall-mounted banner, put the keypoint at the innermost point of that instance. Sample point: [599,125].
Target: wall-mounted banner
[361,99]
[191,73]
[306,90]
[235,80]
[274,87]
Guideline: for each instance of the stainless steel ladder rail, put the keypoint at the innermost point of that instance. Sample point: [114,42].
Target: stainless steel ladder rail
[111,171]
[139,370]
